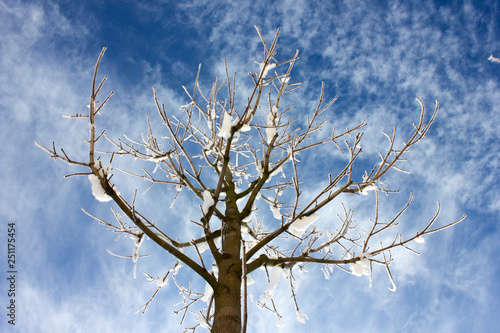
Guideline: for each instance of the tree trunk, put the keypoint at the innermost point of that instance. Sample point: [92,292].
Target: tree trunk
[227,315]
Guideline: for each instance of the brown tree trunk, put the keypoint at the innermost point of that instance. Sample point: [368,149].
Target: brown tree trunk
[227,315]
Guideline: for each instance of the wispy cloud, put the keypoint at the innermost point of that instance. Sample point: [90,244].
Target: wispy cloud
[377,57]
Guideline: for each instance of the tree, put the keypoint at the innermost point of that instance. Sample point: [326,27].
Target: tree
[244,149]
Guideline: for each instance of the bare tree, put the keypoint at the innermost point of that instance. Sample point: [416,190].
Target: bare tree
[246,147]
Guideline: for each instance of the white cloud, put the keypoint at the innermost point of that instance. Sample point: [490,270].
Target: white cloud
[377,59]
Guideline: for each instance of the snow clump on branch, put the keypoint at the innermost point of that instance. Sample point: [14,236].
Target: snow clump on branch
[97,189]
[208,201]
[271,127]
[225,131]
[264,68]
[420,240]
[361,267]
[275,277]
[300,226]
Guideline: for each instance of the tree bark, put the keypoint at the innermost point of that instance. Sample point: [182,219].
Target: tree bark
[227,315]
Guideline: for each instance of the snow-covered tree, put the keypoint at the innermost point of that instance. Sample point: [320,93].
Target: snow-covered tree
[244,163]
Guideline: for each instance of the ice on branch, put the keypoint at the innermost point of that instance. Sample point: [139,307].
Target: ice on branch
[97,190]
[225,131]
[275,172]
[361,267]
[301,317]
[208,289]
[202,247]
[245,127]
[208,201]
[104,171]
[271,127]
[276,210]
[135,255]
[300,226]
[327,269]
[178,185]
[200,318]
[250,281]
[263,68]
[367,189]
[420,240]
[275,277]
[284,80]
[161,282]
[157,158]
[212,115]
[207,294]
[186,106]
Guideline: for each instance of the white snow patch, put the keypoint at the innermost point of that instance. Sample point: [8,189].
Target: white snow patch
[211,116]
[157,158]
[208,201]
[135,255]
[97,190]
[367,189]
[264,69]
[160,283]
[202,247]
[420,240]
[244,128]
[271,127]
[202,320]
[327,269]
[250,281]
[300,226]
[275,277]
[208,293]
[178,186]
[225,131]
[186,106]
[164,280]
[301,317]
[259,168]
[275,172]
[361,267]
[284,80]
[270,133]
[276,211]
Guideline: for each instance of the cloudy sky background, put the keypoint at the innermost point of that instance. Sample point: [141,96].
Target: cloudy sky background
[376,56]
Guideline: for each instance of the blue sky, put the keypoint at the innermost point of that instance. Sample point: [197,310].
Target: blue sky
[377,56]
